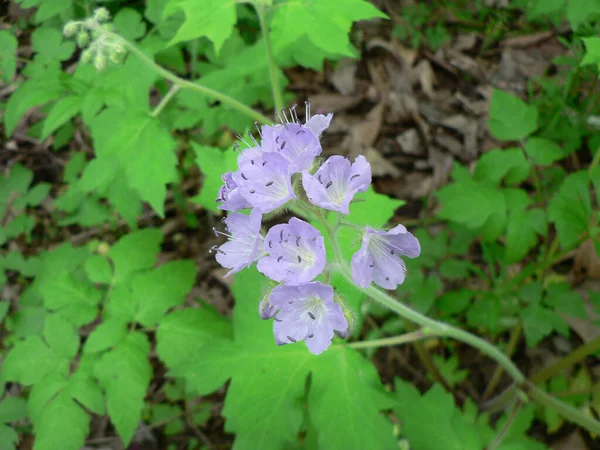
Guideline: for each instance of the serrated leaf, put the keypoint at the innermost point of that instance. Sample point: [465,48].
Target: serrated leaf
[135,251]
[325,23]
[125,374]
[49,9]
[141,147]
[86,391]
[31,360]
[8,50]
[433,411]
[270,418]
[106,335]
[511,119]
[537,323]
[543,151]
[211,18]
[98,269]
[76,299]
[49,46]
[61,336]
[561,297]
[570,209]
[128,23]
[470,203]
[63,425]
[161,289]
[62,111]
[521,233]
[498,164]
[37,194]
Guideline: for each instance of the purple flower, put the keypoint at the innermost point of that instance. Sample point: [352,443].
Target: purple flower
[245,244]
[379,258]
[264,180]
[231,195]
[295,142]
[307,313]
[319,123]
[333,186]
[265,309]
[296,253]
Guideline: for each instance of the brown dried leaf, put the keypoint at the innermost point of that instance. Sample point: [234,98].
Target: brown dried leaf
[379,165]
[343,77]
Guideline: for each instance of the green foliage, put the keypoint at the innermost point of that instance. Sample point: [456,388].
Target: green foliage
[511,119]
[342,381]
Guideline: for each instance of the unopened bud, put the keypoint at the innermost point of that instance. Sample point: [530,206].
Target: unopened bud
[265,309]
[101,14]
[70,29]
[83,38]
[117,58]
[86,56]
[100,62]
[349,315]
[108,27]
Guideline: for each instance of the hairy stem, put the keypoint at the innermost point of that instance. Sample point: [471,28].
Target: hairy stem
[273,70]
[515,335]
[185,84]
[414,336]
[165,100]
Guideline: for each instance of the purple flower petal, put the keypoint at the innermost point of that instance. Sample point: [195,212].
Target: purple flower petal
[231,195]
[379,258]
[295,142]
[296,253]
[307,313]
[265,309]
[264,181]
[245,244]
[319,123]
[333,186]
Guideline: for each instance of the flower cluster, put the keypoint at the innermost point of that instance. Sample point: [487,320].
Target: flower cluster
[283,167]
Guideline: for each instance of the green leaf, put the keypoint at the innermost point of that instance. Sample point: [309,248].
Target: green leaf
[183,333]
[106,335]
[373,209]
[454,302]
[537,323]
[448,367]
[545,7]
[511,119]
[125,374]
[31,360]
[8,437]
[76,299]
[497,164]
[561,297]
[269,419]
[544,151]
[570,209]
[433,411]
[213,162]
[128,23]
[63,425]
[326,23]
[8,50]
[162,288]
[4,306]
[37,194]
[61,336]
[454,269]
[521,233]
[49,9]
[579,11]
[211,18]
[141,146]
[470,203]
[98,269]
[63,110]
[31,93]
[86,391]
[134,252]
[12,409]
[49,46]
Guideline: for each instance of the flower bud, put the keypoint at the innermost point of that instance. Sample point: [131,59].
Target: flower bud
[83,38]
[265,309]
[349,315]
[101,14]
[116,57]
[86,56]
[100,62]
[70,28]
[108,27]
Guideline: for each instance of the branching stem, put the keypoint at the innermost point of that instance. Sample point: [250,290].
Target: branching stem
[184,84]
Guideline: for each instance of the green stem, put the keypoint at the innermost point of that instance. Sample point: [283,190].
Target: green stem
[565,410]
[515,335]
[506,428]
[273,69]
[165,100]
[414,336]
[186,84]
